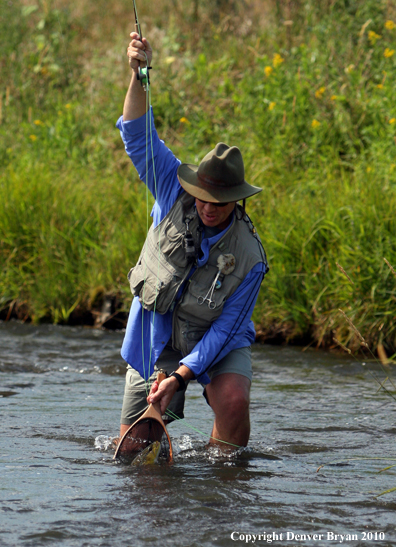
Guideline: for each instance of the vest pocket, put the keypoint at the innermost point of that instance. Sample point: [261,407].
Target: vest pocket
[187,334]
[171,242]
[156,290]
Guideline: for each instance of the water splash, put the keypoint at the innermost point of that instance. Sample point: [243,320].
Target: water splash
[104,442]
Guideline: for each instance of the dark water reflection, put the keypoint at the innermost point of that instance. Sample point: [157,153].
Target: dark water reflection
[60,392]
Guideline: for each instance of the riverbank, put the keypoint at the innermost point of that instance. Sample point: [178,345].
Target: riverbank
[306,92]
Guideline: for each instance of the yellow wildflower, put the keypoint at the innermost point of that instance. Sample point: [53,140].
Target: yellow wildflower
[184,120]
[32,137]
[392,120]
[268,71]
[38,122]
[380,86]
[68,105]
[319,92]
[315,124]
[390,25]
[373,37]
[369,169]
[389,52]
[271,106]
[334,97]
[277,60]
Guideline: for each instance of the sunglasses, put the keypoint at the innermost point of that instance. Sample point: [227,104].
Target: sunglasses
[215,204]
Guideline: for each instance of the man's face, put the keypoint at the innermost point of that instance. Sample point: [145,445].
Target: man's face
[214,216]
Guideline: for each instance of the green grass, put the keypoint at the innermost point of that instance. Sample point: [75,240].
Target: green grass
[305,90]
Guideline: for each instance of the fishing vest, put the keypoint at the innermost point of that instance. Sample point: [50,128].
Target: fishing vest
[162,269]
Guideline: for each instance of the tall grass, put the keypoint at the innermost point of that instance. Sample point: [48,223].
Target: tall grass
[305,89]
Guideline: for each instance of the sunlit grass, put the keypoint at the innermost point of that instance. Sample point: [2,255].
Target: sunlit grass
[310,103]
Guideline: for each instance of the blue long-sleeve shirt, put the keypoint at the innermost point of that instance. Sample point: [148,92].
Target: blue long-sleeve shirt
[147,333]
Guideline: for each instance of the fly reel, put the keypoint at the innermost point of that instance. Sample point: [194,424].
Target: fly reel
[143,75]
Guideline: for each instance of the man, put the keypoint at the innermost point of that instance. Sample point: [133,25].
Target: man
[197,279]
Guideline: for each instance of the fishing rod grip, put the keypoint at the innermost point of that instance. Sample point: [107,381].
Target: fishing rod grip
[141,65]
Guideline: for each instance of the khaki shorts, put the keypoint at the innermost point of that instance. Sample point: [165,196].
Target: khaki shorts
[238,361]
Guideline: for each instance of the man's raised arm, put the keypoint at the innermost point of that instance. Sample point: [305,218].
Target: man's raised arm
[139,53]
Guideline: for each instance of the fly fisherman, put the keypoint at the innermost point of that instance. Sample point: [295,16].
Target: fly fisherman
[197,279]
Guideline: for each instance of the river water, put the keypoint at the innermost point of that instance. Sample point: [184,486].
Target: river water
[60,398]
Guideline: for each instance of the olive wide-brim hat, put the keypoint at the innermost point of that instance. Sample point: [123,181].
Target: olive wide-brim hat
[219,178]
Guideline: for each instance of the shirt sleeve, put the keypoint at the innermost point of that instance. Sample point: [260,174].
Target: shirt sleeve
[155,164]
[230,329]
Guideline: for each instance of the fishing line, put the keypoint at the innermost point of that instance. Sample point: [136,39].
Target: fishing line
[148,118]
[149,142]
[146,379]
[149,137]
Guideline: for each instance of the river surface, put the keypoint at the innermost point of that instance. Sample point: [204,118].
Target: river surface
[60,398]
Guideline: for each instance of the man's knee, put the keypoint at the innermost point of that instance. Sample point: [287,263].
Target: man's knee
[229,398]
[237,405]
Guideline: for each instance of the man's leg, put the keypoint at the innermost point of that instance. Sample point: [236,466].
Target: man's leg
[228,396]
[123,429]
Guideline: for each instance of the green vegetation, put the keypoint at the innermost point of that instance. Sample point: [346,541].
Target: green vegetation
[306,89]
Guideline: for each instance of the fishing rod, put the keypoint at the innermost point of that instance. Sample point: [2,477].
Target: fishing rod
[143,72]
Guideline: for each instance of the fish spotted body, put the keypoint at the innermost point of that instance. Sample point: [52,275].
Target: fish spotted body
[148,456]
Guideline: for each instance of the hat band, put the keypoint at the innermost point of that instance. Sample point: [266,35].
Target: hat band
[205,180]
